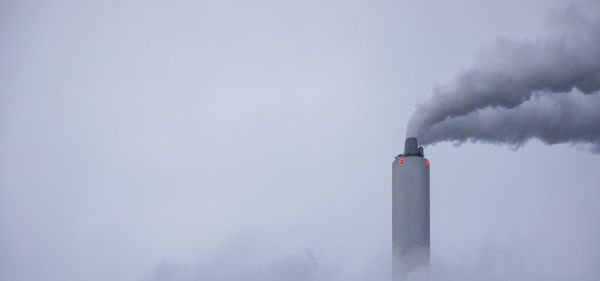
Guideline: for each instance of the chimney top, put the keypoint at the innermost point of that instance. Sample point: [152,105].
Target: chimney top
[411,147]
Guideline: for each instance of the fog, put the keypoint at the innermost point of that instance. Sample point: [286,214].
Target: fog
[229,140]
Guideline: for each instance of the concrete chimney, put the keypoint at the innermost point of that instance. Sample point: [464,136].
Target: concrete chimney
[410,210]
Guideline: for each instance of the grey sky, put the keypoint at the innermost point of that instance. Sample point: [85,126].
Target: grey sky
[229,140]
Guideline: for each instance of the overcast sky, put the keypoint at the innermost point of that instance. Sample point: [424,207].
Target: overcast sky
[253,140]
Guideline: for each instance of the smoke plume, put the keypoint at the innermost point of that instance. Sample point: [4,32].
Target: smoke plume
[545,88]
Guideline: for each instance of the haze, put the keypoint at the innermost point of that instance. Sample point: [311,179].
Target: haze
[237,140]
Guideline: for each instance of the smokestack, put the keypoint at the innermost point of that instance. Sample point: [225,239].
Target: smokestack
[410,210]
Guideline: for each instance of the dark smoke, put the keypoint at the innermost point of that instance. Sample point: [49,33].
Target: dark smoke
[544,88]
[557,118]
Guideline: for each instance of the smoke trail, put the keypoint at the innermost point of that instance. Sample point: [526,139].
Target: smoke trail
[553,119]
[492,100]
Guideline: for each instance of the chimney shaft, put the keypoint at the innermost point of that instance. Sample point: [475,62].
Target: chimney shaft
[410,210]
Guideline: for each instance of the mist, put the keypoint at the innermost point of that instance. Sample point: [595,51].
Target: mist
[235,140]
